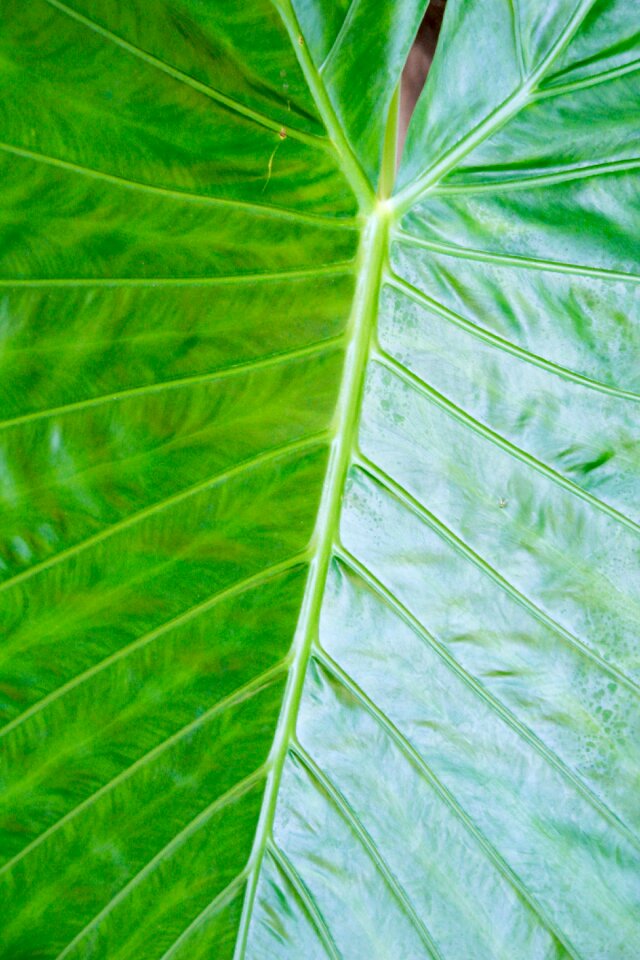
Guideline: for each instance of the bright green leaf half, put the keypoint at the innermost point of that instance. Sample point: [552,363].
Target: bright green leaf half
[319,532]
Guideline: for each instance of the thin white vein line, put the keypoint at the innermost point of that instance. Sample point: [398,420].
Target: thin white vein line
[308,904]
[264,209]
[415,758]
[345,810]
[232,472]
[52,346]
[235,793]
[219,902]
[305,273]
[565,175]
[247,583]
[229,102]
[250,689]
[337,40]
[262,363]
[594,80]
[142,455]
[375,585]
[514,260]
[421,387]
[405,199]
[495,341]
[403,496]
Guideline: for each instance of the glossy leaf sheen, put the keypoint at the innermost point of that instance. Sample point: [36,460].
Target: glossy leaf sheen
[319,529]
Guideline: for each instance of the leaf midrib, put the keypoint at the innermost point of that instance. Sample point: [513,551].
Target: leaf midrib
[372,257]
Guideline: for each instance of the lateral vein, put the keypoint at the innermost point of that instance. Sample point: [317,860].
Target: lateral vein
[506,345]
[412,755]
[262,209]
[557,90]
[240,468]
[234,793]
[514,260]
[189,81]
[333,269]
[241,586]
[308,904]
[239,369]
[403,496]
[564,175]
[225,897]
[421,387]
[246,691]
[382,867]
[375,585]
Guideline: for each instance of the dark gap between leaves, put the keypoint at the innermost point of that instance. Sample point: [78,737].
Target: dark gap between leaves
[417,67]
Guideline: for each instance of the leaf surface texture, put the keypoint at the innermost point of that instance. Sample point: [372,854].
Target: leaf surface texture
[319,530]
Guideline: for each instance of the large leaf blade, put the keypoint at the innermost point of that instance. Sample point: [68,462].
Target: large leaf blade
[443,763]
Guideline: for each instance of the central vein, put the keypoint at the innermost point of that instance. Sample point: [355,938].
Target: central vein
[371,260]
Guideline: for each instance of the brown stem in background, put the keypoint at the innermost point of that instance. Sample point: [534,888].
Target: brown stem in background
[417,66]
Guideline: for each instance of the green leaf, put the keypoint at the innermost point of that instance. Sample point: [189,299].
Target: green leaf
[319,537]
